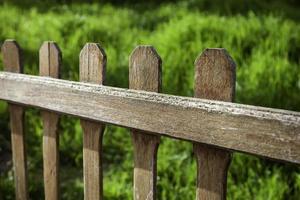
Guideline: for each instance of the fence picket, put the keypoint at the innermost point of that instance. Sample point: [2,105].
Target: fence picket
[49,64]
[214,127]
[12,62]
[215,80]
[92,70]
[145,74]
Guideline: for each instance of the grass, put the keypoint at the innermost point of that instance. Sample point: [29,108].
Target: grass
[264,46]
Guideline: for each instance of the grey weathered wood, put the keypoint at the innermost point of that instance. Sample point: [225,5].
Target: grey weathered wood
[12,62]
[92,70]
[50,63]
[145,74]
[215,80]
[262,131]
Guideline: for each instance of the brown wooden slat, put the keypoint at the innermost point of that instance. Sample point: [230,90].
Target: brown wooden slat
[50,63]
[92,70]
[223,124]
[215,80]
[12,62]
[145,74]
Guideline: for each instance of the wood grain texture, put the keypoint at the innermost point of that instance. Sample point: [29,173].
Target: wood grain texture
[12,61]
[228,125]
[49,65]
[215,75]
[215,80]
[92,70]
[145,74]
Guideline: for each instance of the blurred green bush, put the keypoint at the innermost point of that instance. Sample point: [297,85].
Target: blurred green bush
[265,47]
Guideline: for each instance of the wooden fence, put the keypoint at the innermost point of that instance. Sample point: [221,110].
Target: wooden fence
[215,126]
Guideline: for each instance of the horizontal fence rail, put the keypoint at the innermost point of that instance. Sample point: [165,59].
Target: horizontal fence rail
[267,132]
[215,126]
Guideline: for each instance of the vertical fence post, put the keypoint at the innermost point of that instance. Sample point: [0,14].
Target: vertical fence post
[49,64]
[215,80]
[92,70]
[13,63]
[145,74]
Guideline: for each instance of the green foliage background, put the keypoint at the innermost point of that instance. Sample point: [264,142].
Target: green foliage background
[262,37]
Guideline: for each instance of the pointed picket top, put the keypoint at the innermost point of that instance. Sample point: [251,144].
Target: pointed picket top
[12,62]
[50,59]
[12,56]
[92,68]
[215,80]
[145,59]
[92,64]
[215,75]
[145,74]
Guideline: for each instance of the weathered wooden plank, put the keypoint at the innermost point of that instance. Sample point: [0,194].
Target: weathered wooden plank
[267,132]
[50,63]
[12,62]
[145,74]
[215,80]
[92,70]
